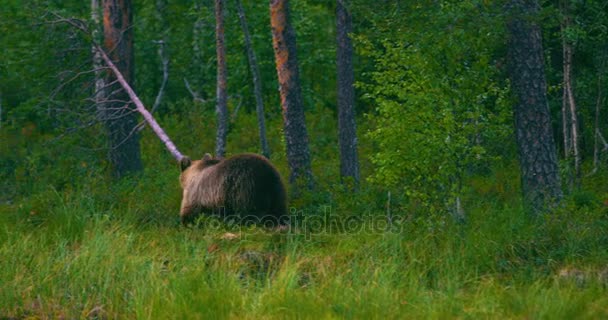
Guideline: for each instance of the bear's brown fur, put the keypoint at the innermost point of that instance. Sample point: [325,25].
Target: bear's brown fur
[245,187]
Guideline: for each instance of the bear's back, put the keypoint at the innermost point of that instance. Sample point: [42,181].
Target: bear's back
[252,185]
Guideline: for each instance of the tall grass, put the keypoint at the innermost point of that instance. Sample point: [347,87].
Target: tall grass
[104,250]
[79,260]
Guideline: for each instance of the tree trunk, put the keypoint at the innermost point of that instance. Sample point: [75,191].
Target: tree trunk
[574,124]
[257,82]
[347,128]
[566,123]
[598,103]
[222,97]
[197,56]
[568,95]
[161,6]
[597,131]
[119,117]
[296,136]
[537,155]
[99,94]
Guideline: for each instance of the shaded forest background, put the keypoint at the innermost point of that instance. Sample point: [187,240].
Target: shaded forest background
[433,100]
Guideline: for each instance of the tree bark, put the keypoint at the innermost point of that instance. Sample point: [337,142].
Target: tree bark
[347,127]
[222,96]
[119,118]
[296,136]
[537,154]
[257,82]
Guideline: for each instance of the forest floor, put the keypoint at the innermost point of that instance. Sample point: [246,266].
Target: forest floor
[74,261]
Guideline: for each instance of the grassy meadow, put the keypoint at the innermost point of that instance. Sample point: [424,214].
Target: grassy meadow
[88,247]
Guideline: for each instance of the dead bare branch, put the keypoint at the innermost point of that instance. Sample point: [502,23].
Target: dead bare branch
[78,24]
[194,94]
[140,107]
[237,108]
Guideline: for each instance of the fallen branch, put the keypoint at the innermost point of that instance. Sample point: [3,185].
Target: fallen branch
[134,98]
[140,106]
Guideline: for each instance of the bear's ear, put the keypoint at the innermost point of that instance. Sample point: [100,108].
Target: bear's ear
[207,157]
[185,163]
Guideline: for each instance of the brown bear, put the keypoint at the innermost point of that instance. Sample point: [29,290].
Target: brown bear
[245,187]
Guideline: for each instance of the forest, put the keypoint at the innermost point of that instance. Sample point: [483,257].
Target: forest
[436,158]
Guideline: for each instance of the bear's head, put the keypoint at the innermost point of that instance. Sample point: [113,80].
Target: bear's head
[189,167]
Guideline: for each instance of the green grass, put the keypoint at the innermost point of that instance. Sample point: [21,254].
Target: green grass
[83,246]
[86,259]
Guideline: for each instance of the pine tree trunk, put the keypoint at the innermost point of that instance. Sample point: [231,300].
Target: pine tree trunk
[119,116]
[537,154]
[222,96]
[296,136]
[347,128]
[257,82]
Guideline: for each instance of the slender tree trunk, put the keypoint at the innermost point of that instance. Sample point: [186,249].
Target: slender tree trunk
[566,122]
[99,94]
[596,143]
[197,56]
[257,82]
[161,6]
[574,124]
[537,155]
[598,103]
[120,118]
[570,102]
[222,97]
[296,136]
[347,127]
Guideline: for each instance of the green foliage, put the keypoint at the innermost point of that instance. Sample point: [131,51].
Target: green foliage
[440,104]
